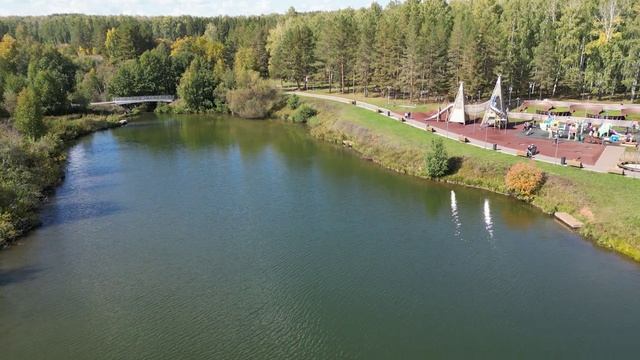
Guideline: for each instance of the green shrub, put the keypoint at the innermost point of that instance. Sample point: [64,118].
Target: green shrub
[293,101]
[303,114]
[437,160]
[254,98]
[163,109]
[7,228]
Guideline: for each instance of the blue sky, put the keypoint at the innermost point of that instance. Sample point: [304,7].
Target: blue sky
[171,7]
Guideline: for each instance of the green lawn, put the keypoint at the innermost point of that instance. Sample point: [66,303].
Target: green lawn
[396,105]
[607,203]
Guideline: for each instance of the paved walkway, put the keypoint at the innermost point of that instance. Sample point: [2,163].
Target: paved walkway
[606,162]
[609,158]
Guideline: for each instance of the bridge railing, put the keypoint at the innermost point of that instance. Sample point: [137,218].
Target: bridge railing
[144,98]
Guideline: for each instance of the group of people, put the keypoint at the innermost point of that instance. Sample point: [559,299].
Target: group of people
[608,134]
[574,131]
[557,130]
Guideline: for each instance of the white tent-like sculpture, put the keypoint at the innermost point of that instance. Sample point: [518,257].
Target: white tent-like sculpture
[495,113]
[457,111]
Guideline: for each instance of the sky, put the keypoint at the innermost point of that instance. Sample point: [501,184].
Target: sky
[171,7]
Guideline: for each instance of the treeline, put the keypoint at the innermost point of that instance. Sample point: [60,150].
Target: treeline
[542,48]
[71,60]
[420,49]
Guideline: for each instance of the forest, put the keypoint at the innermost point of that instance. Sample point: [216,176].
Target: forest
[417,49]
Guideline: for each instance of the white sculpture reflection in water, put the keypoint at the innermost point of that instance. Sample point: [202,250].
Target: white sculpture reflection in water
[488,221]
[454,215]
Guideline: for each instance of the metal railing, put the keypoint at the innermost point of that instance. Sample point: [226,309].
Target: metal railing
[149,98]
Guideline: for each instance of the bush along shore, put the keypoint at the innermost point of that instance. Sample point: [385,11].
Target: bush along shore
[605,203]
[33,166]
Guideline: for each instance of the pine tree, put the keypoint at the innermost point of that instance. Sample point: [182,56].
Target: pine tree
[435,32]
[366,47]
[388,50]
[519,22]
[631,70]
[605,51]
[292,46]
[339,38]
[484,61]
[458,42]
[546,63]
[573,30]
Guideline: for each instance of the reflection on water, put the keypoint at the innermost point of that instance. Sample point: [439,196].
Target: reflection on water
[487,218]
[454,214]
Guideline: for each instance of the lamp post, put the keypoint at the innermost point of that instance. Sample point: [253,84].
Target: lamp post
[447,127]
[486,136]
[510,90]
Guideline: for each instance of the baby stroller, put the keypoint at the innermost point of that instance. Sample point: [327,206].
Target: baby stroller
[532,150]
[527,128]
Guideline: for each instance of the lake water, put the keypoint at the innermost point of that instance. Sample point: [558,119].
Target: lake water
[219,238]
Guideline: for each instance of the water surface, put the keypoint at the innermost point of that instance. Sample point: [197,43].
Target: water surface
[219,238]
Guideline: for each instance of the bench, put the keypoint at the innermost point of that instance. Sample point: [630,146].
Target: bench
[521,153]
[616,171]
[463,139]
[574,163]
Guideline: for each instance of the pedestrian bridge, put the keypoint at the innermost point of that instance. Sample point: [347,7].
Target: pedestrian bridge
[137,100]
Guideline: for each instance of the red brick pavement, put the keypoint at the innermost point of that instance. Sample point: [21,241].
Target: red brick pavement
[514,139]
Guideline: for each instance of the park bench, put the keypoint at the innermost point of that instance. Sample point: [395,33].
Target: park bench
[616,171]
[575,163]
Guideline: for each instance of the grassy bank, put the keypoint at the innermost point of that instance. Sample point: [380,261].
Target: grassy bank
[30,169]
[607,204]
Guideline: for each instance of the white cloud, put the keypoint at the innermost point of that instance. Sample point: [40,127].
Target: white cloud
[169,7]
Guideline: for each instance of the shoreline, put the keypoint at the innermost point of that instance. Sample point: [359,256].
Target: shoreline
[64,132]
[375,138]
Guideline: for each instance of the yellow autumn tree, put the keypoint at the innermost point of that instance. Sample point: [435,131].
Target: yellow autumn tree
[7,47]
